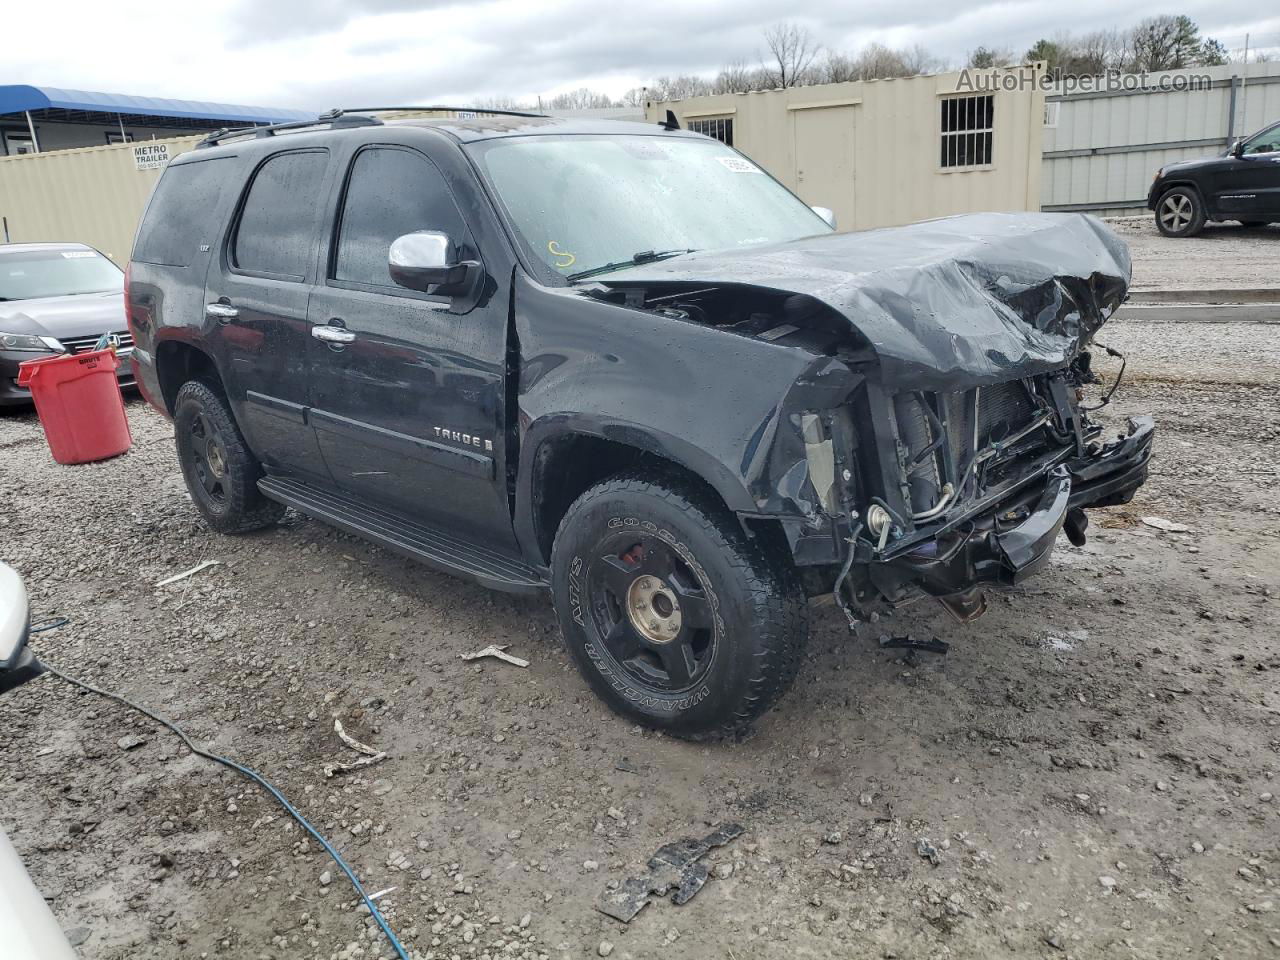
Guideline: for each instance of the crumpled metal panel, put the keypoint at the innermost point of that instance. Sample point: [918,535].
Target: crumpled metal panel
[944,304]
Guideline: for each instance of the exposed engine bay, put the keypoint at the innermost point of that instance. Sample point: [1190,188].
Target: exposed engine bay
[946,440]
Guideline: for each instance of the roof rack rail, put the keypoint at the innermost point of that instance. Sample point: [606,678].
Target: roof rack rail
[336,119]
[484,110]
[340,117]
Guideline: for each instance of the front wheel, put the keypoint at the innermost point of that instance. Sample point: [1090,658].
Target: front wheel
[1180,213]
[675,616]
[221,472]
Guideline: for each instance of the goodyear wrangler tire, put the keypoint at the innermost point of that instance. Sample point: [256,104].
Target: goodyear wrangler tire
[675,617]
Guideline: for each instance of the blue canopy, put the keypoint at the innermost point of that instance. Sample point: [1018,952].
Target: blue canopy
[16,98]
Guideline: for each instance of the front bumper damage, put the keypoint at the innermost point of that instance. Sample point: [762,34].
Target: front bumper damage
[1004,541]
[1111,474]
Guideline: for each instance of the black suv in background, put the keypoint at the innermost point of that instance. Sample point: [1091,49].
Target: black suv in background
[622,363]
[1243,184]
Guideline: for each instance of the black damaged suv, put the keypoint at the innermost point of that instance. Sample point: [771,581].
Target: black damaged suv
[621,363]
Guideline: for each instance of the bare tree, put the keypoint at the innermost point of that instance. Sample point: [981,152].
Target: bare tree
[501,103]
[836,67]
[875,61]
[737,77]
[635,97]
[918,60]
[1095,53]
[792,51]
[580,99]
[678,88]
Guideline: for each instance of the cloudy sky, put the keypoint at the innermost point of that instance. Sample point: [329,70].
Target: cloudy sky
[322,53]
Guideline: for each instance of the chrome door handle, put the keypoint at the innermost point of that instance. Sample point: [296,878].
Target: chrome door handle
[330,334]
[223,311]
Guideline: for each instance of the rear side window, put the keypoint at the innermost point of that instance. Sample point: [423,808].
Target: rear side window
[179,217]
[390,192]
[276,232]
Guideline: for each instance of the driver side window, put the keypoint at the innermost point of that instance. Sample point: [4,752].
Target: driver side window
[1266,142]
[390,192]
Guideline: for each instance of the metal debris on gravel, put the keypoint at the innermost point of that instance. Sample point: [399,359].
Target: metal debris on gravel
[675,868]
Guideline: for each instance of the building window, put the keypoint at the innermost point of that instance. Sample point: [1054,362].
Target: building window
[966,131]
[720,128]
[18,144]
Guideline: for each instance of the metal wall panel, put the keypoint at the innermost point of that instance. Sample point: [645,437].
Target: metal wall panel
[1104,149]
[882,143]
[93,195]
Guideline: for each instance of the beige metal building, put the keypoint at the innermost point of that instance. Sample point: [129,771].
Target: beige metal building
[883,152]
[876,152]
[93,195]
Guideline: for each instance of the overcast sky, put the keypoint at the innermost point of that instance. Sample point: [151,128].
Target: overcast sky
[323,53]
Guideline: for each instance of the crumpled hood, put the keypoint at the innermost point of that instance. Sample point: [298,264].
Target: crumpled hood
[945,304]
[82,315]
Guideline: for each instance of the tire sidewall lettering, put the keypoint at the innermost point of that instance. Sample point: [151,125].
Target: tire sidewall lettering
[602,663]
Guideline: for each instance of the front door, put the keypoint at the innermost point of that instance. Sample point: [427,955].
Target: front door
[408,410]
[1248,186]
[256,296]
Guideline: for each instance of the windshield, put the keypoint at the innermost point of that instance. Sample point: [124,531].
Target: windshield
[33,274]
[583,203]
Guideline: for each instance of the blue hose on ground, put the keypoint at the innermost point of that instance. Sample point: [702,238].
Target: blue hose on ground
[257,778]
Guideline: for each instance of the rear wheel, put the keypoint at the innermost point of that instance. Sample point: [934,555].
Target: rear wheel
[221,473]
[675,617]
[1180,213]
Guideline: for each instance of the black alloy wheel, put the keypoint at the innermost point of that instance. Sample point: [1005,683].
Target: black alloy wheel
[675,615]
[220,470]
[208,454]
[651,612]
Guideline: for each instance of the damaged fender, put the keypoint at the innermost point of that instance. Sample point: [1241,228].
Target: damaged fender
[651,381]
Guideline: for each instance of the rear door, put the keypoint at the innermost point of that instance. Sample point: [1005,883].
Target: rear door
[409,412]
[257,293]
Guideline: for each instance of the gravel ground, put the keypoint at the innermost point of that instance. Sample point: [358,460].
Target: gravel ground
[1094,762]
[1225,255]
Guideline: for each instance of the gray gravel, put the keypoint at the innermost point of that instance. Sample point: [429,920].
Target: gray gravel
[1223,256]
[1197,353]
[1116,717]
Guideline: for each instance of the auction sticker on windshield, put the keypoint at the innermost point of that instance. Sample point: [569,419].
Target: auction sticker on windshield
[738,165]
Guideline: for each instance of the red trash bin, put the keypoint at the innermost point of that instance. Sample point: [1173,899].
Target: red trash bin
[79,403]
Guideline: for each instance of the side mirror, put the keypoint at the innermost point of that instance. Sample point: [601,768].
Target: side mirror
[428,261]
[17,663]
[827,214]
[1237,149]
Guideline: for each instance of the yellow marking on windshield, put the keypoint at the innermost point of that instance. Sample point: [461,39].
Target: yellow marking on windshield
[554,249]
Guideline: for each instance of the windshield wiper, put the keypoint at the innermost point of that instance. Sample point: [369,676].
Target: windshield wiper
[644,256]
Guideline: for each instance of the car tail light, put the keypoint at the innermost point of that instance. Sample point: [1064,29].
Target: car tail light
[128,310]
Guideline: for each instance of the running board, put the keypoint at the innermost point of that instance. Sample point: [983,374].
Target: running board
[428,545]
